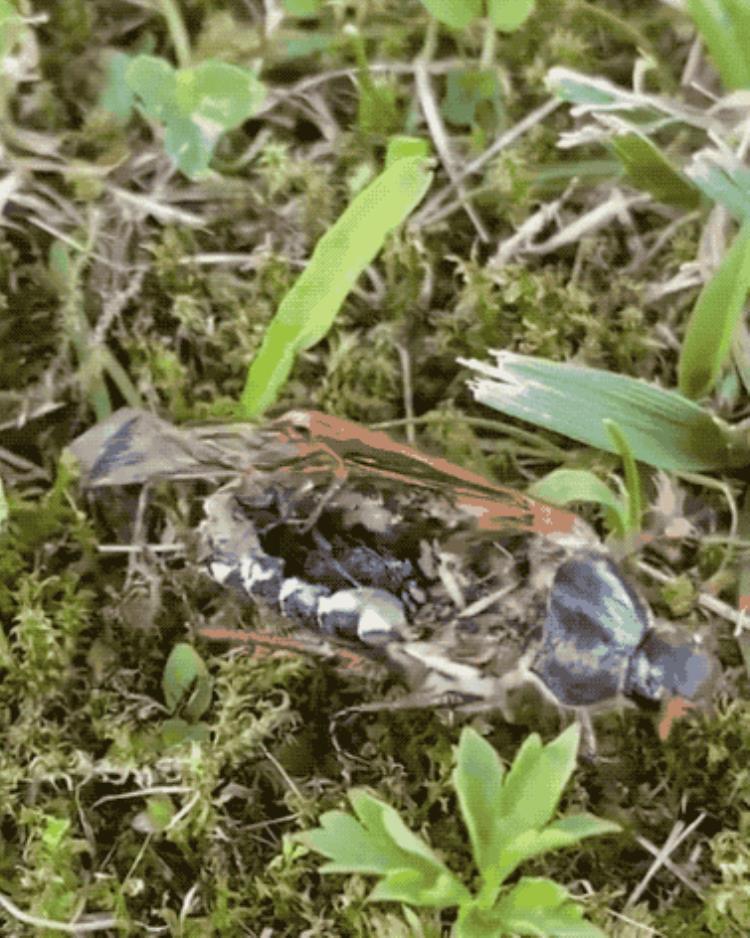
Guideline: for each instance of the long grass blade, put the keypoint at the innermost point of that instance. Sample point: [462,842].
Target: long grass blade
[663,428]
[714,319]
[308,310]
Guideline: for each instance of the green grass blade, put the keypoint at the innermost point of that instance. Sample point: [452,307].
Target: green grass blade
[649,169]
[308,310]
[630,471]
[713,322]
[723,178]
[723,27]
[663,428]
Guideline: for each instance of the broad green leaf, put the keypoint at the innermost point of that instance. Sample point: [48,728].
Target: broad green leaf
[724,26]
[529,795]
[564,486]
[186,681]
[509,15]
[308,310]
[380,843]
[351,847]
[474,921]
[580,826]
[188,145]
[663,428]
[556,836]
[648,168]
[402,146]
[455,13]
[176,731]
[386,822]
[723,179]
[542,907]
[117,95]
[536,780]
[478,780]
[714,319]
[439,892]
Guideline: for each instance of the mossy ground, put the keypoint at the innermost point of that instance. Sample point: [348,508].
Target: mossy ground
[98,812]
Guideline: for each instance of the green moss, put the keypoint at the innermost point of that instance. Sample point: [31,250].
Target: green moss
[85,633]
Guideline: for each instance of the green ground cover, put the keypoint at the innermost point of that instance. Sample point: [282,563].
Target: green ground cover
[167,167]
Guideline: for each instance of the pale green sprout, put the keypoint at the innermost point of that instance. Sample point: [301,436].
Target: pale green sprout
[187,688]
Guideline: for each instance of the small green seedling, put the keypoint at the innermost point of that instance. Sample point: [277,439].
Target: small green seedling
[509,819]
[566,486]
[622,510]
[187,687]
[195,104]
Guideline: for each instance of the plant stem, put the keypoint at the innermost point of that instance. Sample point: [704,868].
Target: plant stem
[489,45]
[177,31]
[630,471]
[430,40]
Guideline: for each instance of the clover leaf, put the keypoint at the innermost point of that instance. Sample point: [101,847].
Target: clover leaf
[195,104]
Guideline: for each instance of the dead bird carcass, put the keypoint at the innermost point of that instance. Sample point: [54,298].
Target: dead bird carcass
[467,589]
